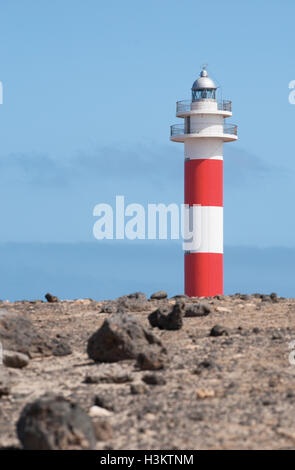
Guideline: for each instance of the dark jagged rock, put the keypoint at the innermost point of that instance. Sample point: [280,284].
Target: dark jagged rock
[136,302]
[160,295]
[245,297]
[197,309]
[54,423]
[154,379]
[132,303]
[105,402]
[168,317]
[51,298]
[120,337]
[17,333]
[218,330]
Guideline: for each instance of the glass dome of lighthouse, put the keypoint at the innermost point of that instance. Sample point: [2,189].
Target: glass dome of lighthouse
[203,88]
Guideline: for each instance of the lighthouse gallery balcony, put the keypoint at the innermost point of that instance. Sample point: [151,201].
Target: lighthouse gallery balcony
[227,132]
[185,107]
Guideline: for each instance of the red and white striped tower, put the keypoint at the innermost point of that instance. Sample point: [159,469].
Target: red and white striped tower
[203,134]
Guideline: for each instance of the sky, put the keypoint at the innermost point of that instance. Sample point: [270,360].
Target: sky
[89,93]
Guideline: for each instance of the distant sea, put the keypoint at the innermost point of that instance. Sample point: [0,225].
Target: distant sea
[105,270]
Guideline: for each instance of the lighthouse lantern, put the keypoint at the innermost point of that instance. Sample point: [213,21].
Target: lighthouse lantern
[203,88]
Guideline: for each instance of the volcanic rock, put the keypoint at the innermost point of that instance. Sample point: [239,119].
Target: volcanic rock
[154,379]
[218,330]
[15,359]
[51,298]
[197,309]
[152,359]
[17,333]
[168,317]
[120,337]
[160,295]
[54,423]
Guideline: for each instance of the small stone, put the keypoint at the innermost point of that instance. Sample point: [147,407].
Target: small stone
[204,365]
[160,295]
[245,297]
[277,335]
[108,378]
[222,310]
[136,302]
[138,388]
[51,298]
[97,411]
[219,297]
[15,359]
[196,416]
[109,307]
[181,297]
[218,330]
[152,360]
[197,309]
[274,297]
[168,317]
[55,423]
[136,296]
[104,402]
[62,349]
[154,379]
[205,393]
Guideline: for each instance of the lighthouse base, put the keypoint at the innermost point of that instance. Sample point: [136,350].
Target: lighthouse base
[203,274]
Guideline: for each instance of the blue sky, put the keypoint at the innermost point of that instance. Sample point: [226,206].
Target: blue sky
[89,94]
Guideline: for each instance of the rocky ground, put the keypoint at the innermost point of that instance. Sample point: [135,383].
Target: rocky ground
[215,375]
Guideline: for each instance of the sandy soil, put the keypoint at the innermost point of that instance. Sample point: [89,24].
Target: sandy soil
[243,399]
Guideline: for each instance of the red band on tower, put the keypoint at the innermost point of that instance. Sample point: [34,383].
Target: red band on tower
[203,274]
[203,182]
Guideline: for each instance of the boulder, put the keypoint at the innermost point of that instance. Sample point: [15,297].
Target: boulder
[55,423]
[120,337]
[17,333]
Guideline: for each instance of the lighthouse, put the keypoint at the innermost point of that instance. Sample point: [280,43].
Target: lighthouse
[203,133]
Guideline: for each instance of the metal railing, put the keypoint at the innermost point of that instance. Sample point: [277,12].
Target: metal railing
[185,106]
[179,129]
